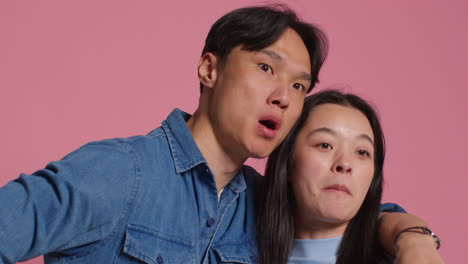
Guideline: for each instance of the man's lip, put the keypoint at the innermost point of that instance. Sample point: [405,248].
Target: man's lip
[338,187]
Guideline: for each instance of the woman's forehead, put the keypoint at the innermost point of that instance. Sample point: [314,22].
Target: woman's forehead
[337,119]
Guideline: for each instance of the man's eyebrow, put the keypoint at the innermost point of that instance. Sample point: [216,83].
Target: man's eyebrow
[272,54]
[331,131]
[303,75]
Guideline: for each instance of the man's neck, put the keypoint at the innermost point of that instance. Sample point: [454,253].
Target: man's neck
[224,164]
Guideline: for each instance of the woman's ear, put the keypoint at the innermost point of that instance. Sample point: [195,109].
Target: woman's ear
[207,70]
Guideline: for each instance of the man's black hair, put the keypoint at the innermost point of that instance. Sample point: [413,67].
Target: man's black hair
[258,27]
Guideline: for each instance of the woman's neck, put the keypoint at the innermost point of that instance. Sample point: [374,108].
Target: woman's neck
[313,228]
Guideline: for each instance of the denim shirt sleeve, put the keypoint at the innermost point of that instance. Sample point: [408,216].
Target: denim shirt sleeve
[391,208]
[75,201]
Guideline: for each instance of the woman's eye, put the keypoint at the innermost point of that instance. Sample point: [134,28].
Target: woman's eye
[363,153]
[299,87]
[324,146]
[266,67]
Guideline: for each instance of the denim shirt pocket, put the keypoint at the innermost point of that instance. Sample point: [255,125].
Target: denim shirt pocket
[153,247]
[237,251]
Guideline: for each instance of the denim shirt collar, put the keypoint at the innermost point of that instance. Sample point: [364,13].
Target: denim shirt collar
[185,152]
[237,184]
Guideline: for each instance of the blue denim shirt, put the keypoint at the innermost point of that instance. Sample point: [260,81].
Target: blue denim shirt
[144,199]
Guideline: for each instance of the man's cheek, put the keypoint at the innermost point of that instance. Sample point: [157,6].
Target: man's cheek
[288,126]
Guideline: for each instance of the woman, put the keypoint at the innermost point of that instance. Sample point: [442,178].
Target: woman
[324,186]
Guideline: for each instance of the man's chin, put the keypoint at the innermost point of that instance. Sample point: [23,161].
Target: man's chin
[260,148]
[260,153]
[258,156]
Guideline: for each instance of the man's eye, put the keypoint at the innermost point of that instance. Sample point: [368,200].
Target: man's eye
[299,87]
[324,146]
[266,67]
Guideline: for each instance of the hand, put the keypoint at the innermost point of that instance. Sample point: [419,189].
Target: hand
[414,247]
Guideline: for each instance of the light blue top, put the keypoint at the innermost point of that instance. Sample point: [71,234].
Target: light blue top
[315,251]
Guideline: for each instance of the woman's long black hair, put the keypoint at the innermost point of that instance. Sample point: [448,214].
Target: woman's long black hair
[275,221]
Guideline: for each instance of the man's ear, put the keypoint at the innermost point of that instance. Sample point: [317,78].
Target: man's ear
[207,69]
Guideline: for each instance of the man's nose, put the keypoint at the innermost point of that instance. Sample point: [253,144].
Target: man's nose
[280,95]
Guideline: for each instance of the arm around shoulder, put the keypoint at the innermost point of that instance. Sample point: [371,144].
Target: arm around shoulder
[408,247]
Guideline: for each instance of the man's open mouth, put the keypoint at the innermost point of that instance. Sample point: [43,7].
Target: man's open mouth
[270,124]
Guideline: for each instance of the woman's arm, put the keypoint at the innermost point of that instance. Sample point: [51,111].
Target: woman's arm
[410,247]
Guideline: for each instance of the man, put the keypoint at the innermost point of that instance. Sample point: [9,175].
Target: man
[181,193]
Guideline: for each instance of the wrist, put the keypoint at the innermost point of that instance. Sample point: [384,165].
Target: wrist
[416,248]
[416,236]
[416,240]
[411,240]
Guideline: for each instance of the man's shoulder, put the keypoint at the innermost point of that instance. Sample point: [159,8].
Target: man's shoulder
[127,142]
[121,149]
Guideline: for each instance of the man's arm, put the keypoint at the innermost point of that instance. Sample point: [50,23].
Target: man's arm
[410,247]
[71,202]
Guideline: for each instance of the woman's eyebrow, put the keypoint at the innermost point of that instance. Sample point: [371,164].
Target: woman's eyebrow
[366,137]
[331,131]
[322,129]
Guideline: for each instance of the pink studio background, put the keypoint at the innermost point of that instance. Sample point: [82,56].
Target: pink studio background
[73,72]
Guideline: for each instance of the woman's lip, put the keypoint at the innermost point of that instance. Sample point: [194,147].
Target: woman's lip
[337,188]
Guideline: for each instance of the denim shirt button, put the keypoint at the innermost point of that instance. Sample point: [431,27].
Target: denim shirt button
[160,260]
[207,171]
[254,259]
[210,221]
